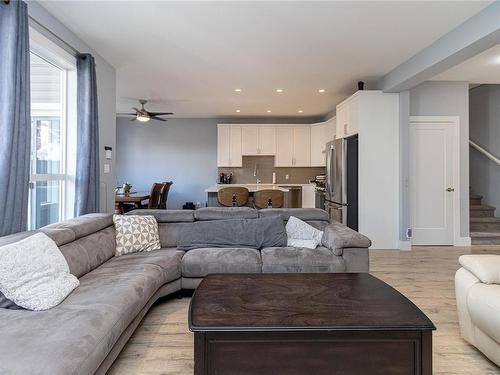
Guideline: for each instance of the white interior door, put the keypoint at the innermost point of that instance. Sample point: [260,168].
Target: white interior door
[432,182]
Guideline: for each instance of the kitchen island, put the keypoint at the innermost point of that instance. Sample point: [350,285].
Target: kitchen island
[295,194]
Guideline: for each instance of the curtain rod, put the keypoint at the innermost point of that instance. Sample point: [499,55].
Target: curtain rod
[38,25]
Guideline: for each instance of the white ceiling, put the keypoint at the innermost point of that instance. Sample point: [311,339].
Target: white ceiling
[484,68]
[192,55]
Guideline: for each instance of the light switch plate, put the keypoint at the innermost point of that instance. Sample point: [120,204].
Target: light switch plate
[106,168]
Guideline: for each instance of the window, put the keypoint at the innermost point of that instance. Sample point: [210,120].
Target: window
[53,132]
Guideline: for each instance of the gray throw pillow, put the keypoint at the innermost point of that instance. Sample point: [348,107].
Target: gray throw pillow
[251,233]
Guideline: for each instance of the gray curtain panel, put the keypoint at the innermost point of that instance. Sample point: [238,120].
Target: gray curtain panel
[87,152]
[15,120]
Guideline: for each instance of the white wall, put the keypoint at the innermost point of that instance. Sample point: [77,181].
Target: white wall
[485,130]
[443,98]
[106,94]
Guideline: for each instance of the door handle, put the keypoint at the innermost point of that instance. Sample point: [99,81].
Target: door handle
[449,190]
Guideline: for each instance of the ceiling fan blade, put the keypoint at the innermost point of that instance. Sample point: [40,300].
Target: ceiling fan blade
[158,118]
[160,113]
[126,114]
[135,118]
[135,109]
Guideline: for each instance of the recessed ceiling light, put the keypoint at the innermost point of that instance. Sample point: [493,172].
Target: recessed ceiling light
[237,90]
[238,111]
[279,90]
[268,111]
[496,60]
[300,111]
[321,90]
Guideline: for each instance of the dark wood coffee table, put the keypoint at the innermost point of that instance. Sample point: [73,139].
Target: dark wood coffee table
[307,324]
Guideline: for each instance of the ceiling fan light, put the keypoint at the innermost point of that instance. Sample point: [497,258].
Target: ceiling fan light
[142,118]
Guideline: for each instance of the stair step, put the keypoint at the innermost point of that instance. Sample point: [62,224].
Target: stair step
[485,224]
[485,238]
[481,211]
[476,199]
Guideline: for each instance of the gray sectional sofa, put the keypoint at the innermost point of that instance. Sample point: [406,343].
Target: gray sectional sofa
[85,333]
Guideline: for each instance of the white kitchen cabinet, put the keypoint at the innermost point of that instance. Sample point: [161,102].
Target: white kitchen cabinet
[331,129]
[258,140]
[229,146]
[250,140]
[319,137]
[293,146]
[348,117]
[267,140]
[284,147]
[302,146]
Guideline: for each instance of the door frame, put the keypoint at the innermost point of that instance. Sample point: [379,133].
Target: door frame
[454,122]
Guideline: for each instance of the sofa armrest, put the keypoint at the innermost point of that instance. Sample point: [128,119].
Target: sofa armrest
[337,236]
[485,267]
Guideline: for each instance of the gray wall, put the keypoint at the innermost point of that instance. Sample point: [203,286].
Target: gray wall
[106,95]
[181,150]
[485,130]
[440,98]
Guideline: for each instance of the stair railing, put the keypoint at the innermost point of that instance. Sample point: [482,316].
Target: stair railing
[485,152]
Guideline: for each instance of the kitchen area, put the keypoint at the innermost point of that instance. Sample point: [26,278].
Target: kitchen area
[290,158]
[347,165]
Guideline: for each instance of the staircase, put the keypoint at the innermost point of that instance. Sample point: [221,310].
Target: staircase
[484,226]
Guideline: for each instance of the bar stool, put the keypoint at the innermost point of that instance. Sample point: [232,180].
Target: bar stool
[233,196]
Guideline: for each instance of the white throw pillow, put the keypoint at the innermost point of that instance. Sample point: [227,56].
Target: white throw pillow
[301,234]
[34,274]
[136,233]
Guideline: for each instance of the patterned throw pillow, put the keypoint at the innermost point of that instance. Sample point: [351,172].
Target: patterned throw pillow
[135,233]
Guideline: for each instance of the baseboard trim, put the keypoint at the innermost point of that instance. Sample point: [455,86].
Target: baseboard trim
[404,245]
[462,241]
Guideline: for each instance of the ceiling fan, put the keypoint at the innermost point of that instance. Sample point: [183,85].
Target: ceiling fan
[143,115]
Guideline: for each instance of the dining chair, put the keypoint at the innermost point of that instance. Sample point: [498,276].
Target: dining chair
[232,196]
[164,194]
[268,198]
[155,194]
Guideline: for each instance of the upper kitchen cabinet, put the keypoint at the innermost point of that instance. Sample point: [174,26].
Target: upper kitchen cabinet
[258,140]
[229,146]
[331,128]
[347,117]
[293,146]
[319,137]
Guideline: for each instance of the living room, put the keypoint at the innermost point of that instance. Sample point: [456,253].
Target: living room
[249,187]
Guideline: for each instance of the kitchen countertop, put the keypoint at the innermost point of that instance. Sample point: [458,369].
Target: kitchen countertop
[256,187]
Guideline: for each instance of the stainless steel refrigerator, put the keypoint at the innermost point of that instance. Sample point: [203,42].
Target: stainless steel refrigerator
[341,195]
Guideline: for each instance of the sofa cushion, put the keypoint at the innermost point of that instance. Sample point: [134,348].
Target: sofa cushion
[201,262]
[251,233]
[337,236]
[83,225]
[483,302]
[294,259]
[89,252]
[166,216]
[221,213]
[75,336]
[305,214]
[485,267]
[169,260]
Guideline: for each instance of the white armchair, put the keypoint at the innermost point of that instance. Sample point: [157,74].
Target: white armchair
[477,288]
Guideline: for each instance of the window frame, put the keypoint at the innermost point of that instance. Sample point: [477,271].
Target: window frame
[47,50]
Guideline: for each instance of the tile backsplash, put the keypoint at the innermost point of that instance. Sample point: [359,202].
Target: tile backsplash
[265,168]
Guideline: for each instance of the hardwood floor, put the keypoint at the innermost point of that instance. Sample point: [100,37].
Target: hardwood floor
[163,345]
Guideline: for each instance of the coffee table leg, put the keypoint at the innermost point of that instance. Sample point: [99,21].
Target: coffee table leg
[199,354]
